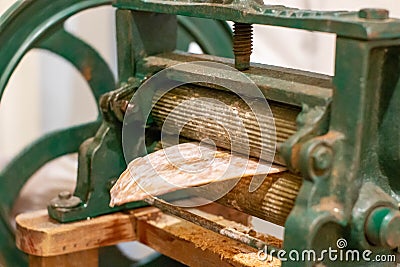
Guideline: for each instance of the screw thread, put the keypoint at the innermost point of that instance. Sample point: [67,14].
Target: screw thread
[242,44]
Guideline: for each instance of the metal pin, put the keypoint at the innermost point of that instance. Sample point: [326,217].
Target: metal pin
[211,225]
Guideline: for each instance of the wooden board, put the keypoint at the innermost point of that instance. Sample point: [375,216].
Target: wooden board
[40,236]
[87,258]
[194,245]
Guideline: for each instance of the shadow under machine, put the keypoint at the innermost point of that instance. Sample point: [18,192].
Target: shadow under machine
[337,137]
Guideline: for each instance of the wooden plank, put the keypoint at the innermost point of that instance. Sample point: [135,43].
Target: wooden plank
[194,245]
[39,235]
[46,240]
[87,258]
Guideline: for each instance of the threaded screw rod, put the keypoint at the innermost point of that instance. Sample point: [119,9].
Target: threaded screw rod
[242,44]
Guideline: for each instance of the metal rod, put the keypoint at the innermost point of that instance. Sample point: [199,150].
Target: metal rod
[211,225]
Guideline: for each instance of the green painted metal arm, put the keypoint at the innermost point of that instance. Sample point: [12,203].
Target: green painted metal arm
[27,22]
[343,23]
[83,57]
[20,169]
[88,62]
[33,24]
[45,149]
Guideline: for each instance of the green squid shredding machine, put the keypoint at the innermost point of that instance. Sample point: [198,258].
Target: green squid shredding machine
[338,137]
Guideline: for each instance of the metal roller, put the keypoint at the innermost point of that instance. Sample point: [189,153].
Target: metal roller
[200,120]
[272,201]
[275,198]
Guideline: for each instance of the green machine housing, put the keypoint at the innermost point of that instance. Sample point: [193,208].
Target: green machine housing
[342,145]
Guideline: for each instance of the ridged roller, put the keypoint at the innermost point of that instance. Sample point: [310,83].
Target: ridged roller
[201,120]
[275,198]
[272,201]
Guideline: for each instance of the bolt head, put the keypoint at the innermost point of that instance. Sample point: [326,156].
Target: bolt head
[322,157]
[373,13]
[65,200]
[64,195]
[390,232]
[383,227]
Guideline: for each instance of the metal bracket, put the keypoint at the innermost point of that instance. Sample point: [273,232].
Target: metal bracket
[101,162]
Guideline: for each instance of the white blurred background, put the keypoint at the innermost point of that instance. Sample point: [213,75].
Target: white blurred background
[45,93]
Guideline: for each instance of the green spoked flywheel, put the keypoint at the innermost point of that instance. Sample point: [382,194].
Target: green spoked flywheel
[39,24]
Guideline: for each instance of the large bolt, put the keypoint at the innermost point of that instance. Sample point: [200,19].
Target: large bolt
[242,44]
[65,200]
[322,158]
[373,13]
[383,227]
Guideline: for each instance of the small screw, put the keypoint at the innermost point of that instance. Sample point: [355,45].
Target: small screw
[373,13]
[322,158]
